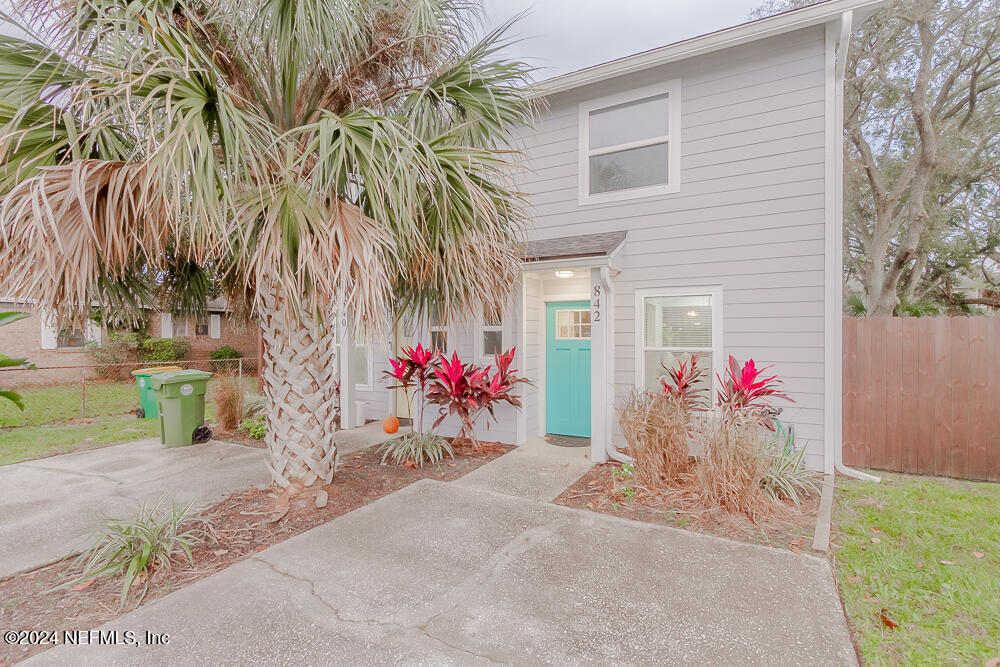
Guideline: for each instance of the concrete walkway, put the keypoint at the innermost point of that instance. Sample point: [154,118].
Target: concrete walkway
[362,437]
[457,573]
[50,507]
[537,470]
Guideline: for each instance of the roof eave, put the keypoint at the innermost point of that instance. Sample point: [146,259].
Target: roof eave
[747,32]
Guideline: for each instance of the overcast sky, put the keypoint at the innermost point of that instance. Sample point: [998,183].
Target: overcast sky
[564,35]
[560,36]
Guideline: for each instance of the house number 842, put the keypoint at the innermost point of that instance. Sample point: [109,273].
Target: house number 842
[595,305]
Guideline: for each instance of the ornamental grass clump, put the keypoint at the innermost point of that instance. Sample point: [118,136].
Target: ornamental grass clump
[746,461]
[228,394]
[134,548]
[657,425]
[733,461]
[418,448]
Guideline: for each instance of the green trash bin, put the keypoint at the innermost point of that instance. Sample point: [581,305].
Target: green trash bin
[147,397]
[180,397]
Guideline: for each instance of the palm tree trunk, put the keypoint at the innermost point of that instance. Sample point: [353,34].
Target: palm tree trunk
[299,375]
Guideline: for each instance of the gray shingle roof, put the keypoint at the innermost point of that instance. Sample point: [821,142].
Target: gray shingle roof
[567,247]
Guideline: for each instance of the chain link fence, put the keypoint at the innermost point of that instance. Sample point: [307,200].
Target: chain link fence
[73,394]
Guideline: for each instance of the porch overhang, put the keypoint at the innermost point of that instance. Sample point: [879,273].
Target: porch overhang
[591,250]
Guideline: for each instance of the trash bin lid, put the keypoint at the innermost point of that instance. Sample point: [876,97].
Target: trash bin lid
[176,377]
[155,369]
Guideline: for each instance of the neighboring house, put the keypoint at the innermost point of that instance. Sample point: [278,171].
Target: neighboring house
[41,340]
[687,198]
[207,333]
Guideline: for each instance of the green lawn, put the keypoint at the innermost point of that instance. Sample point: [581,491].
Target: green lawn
[32,442]
[51,422]
[927,550]
[55,403]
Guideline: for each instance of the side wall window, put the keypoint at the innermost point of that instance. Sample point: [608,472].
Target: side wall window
[492,338]
[439,334]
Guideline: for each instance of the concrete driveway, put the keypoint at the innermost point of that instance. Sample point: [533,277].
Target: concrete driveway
[50,507]
[454,573]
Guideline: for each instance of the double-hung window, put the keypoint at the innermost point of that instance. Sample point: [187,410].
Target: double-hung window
[439,334]
[671,326]
[492,338]
[630,144]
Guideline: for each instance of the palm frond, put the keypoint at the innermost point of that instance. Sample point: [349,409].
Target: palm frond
[73,227]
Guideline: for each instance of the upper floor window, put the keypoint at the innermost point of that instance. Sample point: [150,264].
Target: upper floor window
[630,144]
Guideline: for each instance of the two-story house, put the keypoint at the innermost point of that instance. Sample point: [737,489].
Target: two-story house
[685,199]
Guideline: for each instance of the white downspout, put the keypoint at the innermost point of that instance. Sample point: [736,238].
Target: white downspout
[609,368]
[837,444]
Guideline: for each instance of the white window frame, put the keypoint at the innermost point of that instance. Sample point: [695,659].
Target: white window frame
[672,89]
[439,328]
[215,325]
[370,385]
[718,363]
[338,342]
[481,337]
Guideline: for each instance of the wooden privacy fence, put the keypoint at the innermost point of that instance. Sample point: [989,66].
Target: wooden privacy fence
[922,395]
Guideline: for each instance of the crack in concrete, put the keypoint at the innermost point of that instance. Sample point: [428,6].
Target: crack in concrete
[368,622]
[451,600]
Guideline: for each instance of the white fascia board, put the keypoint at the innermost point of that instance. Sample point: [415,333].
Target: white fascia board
[806,17]
[592,262]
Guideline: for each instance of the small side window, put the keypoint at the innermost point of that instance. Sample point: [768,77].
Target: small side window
[439,334]
[492,341]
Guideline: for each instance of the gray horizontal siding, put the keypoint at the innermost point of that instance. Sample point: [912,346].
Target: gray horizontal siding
[749,214]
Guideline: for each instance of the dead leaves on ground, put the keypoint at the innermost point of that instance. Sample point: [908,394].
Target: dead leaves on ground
[886,621]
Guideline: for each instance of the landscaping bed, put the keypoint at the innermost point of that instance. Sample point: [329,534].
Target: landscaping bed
[680,507]
[244,523]
[918,565]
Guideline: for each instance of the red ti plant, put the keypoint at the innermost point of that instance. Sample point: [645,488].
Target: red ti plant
[744,390]
[414,367]
[466,390]
[681,380]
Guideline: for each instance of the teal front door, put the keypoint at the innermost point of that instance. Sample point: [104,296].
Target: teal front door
[567,368]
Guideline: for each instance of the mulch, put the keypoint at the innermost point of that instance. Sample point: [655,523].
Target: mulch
[244,524]
[680,508]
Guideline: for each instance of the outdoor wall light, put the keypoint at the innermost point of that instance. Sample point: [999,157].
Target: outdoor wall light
[564,273]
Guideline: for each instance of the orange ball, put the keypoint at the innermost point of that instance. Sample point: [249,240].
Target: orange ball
[390,424]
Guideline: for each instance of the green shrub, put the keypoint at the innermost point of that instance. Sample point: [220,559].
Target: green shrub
[416,447]
[222,359]
[163,349]
[788,477]
[131,546]
[255,427]
[113,355]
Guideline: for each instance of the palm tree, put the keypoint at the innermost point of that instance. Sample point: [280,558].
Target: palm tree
[317,158]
